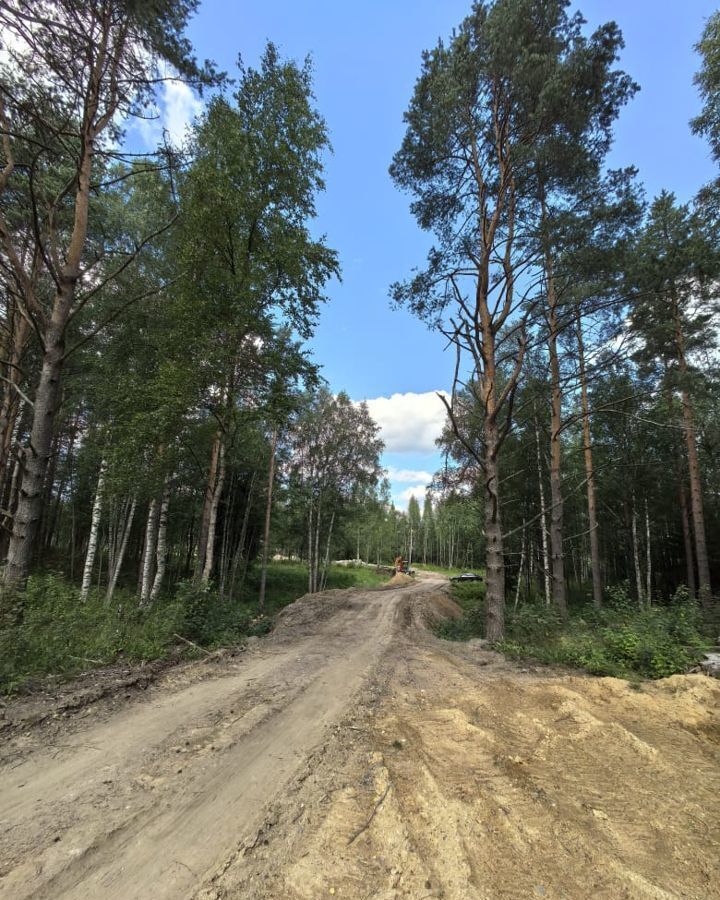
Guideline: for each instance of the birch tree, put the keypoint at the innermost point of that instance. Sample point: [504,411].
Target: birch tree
[250,194]
[335,456]
[74,72]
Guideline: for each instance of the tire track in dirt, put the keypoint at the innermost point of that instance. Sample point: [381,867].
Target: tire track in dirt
[355,755]
[479,781]
[147,803]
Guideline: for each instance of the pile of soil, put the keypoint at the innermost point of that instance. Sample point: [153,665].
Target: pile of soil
[505,785]
[302,616]
[399,579]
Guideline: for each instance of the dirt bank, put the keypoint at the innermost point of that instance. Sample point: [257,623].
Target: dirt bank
[355,755]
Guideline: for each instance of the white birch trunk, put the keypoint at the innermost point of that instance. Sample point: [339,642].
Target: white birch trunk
[94,529]
[316,551]
[212,526]
[636,556]
[310,548]
[149,553]
[327,552]
[121,552]
[161,550]
[268,516]
[648,555]
[240,549]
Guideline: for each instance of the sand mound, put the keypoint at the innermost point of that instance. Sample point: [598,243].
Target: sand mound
[399,579]
[304,614]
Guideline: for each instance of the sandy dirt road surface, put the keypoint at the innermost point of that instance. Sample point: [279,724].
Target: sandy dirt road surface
[353,754]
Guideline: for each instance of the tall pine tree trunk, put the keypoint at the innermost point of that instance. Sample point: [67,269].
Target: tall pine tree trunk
[696,502]
[495,565]
[636,555]
[543,520]
[12,403]
[556,512]
[687,538]
[595,563]
[696,499]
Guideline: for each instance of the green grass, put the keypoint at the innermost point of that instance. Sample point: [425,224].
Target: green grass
[620,640]
[286,581]
[59,635]
[449,571]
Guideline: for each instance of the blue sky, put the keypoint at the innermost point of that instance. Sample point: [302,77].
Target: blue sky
[366,58]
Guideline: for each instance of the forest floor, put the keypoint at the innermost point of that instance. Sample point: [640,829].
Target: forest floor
[353,754]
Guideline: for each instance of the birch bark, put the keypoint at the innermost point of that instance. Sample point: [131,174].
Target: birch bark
[151,529]
[213,513]
[113,575]
[94,529]
[161,552]
[268,515]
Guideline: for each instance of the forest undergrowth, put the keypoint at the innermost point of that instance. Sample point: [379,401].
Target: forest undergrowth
[60,635]
[622,639]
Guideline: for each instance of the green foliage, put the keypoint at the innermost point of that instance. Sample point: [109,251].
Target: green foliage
[59,635]
[621,639]
[708,82]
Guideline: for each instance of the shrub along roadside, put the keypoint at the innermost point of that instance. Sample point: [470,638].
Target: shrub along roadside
[620,640]
[61,636]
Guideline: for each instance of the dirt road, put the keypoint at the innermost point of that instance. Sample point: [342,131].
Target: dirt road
[354,755]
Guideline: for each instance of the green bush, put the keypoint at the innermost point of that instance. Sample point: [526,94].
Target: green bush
[50,631]
[621,639]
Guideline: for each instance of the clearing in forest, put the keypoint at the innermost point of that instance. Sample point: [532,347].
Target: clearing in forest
[354,754]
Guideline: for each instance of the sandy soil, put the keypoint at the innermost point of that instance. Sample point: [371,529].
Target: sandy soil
[352,754]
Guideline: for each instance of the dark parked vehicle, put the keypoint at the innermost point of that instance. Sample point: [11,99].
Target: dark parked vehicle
[467,576]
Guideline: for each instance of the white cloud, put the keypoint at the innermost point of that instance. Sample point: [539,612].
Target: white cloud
[409,423]
[176,108]
[403,498]
[181,106]
[408,475]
